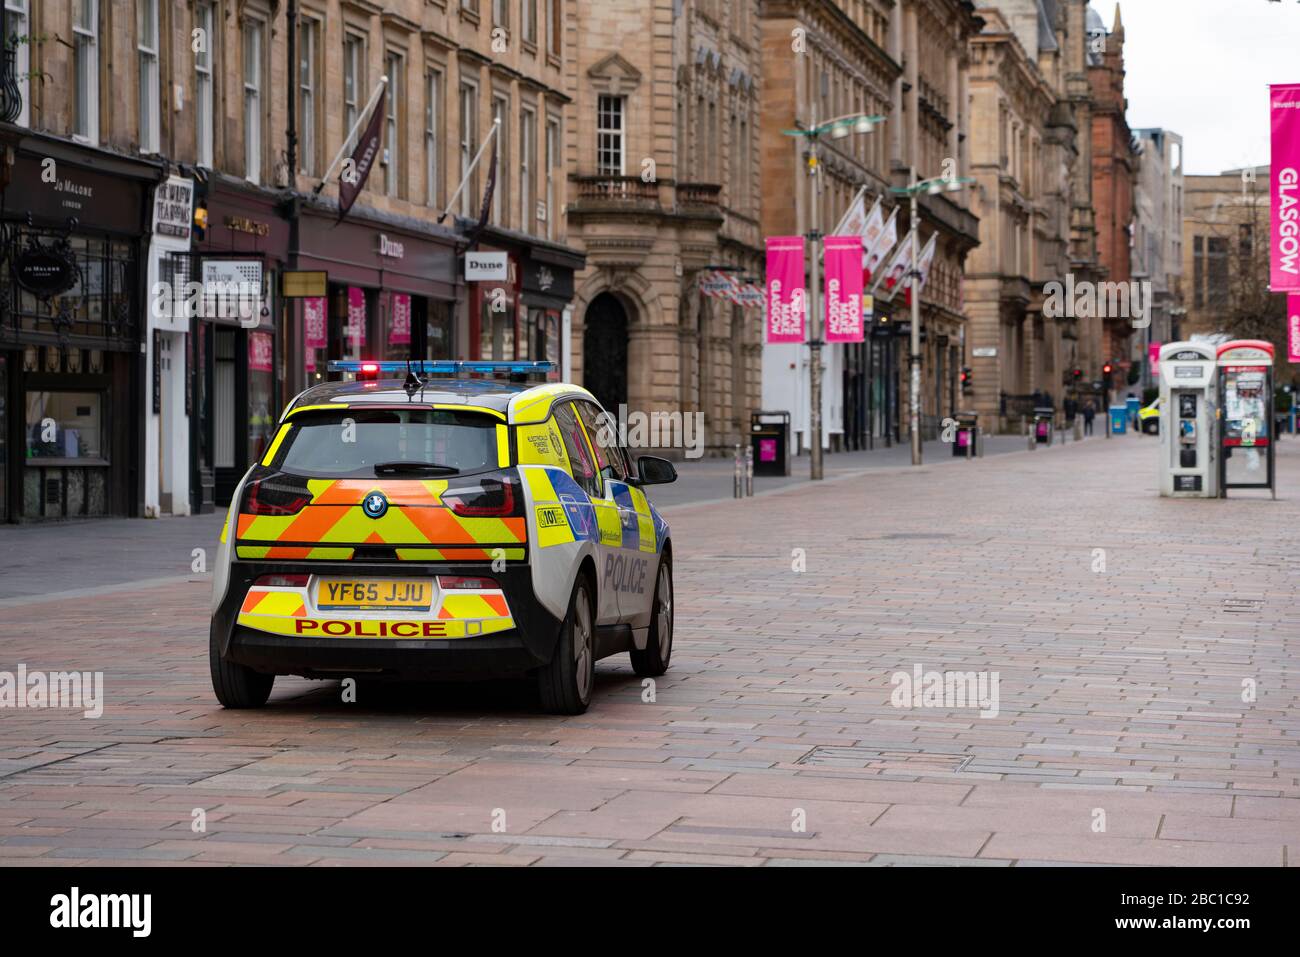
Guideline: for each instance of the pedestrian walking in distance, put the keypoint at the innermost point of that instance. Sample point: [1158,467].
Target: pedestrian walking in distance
[1089,413]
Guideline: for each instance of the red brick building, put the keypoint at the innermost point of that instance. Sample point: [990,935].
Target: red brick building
[1114,175]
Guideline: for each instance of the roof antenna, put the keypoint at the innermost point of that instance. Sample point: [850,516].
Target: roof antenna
[412,384]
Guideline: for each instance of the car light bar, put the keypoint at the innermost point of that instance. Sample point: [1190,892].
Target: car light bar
[395,369]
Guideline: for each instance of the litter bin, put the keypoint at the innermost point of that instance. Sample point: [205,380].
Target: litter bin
[965,443]
[1134,405]
[769,436]
[1118,419]
[1043,416]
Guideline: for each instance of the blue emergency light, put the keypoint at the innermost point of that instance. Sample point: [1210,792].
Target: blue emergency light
[427,368]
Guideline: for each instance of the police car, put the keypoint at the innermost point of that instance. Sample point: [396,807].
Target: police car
[461,521]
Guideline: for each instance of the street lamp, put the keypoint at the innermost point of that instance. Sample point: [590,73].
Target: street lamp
[930,187]
[838,129]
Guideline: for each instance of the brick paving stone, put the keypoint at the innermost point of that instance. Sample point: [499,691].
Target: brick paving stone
[1119,691]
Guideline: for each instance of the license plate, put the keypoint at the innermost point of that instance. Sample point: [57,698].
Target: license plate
[373,593]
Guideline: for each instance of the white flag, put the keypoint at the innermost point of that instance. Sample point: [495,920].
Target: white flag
[888,236]
[854,218]
[923,264]
[896,273]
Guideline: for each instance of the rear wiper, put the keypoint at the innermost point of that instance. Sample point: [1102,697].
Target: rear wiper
[392,468]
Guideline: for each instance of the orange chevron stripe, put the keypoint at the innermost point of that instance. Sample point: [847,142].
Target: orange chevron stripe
[439,525]
[497,603]
[312,524]
[285,551]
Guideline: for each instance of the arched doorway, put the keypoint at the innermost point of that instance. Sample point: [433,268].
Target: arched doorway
[604,351]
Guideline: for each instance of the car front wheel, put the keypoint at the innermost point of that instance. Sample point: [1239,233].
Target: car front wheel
[564,684]
[653,661]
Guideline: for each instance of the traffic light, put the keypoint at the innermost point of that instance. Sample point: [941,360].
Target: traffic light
[965,380]
[1077,374]
[1107,369]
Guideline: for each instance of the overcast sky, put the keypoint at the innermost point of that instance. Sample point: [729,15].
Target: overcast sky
[1201,68]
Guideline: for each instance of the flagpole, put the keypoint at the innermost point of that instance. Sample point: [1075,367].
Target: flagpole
[496,123]
[361,118]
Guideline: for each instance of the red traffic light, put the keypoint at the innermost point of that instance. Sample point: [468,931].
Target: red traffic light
[1106,369]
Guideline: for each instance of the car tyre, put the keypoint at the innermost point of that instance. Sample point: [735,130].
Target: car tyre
[237,686]
[565,682]
[653,661]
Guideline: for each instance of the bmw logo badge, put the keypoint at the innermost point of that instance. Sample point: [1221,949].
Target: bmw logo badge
[375,505]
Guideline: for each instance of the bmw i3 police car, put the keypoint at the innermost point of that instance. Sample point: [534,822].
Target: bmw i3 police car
[460,522]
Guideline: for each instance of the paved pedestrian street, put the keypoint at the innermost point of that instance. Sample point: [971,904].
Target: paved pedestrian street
[1134,660]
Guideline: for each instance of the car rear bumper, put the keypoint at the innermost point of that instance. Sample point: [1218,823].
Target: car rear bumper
[504,653]
[529,644]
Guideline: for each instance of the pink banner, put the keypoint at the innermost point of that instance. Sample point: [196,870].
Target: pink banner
[843,288]
[313,321]
[786,297]
[355,330]
[259,352]
[399,331]
[1293,327]
[1153,357]
[1284,188]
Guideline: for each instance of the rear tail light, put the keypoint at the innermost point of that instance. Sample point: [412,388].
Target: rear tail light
[270,497]
[281,581]
[490,498]
[476,582]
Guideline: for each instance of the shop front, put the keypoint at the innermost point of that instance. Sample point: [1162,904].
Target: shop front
[72,310]
[235,340]
[526,315]
[391,293]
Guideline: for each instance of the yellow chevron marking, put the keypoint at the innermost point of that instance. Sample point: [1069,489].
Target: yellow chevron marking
[611,531]
[644,520]
[269,457]
[503,446]
[309,408]
[465,606]
[279,603]
[543,492]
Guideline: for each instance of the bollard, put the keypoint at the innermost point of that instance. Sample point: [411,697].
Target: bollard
[1033,440]
[1078,428]
[749,470]
[735,474]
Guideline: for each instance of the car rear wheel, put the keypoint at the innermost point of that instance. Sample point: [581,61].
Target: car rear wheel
[235,685]
[653,662]
[565,683]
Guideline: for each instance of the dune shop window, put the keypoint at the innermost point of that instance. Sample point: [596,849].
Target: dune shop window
[497,324]
[353,312]
[541,336]
[399,321]
[66,459]
[437,326]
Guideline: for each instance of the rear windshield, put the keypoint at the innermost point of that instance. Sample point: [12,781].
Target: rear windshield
[350,443]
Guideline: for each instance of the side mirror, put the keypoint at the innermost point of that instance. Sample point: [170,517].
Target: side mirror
[652,470]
